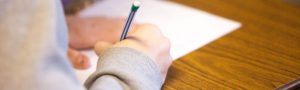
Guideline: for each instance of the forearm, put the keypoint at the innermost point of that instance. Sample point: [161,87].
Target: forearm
[33,47]
[125,68]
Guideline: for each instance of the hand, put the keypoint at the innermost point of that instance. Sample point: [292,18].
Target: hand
[78,60]
[84,32]
[149,40]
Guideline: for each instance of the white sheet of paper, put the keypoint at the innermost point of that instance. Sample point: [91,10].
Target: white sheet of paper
[187,28]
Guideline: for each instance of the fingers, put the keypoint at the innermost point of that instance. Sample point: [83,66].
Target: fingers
[78,60]
[85,32]
[100,47]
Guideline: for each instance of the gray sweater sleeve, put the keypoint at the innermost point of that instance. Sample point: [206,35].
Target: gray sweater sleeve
[125,68]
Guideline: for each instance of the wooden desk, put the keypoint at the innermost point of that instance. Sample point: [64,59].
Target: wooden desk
[263,54]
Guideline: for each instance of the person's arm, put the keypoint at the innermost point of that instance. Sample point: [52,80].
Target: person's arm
[125,69]
[33,38]
[140,62]
[33,51]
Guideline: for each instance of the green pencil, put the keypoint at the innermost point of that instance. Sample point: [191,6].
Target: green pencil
[135,6]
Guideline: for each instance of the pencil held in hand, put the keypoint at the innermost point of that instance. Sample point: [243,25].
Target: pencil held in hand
[135,6]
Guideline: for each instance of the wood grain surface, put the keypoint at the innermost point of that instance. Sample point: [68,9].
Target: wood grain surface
[262,55]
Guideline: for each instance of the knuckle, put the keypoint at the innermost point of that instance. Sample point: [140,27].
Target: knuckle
[150,27]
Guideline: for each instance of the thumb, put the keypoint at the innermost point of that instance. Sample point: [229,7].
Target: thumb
[78,60]
[101,46]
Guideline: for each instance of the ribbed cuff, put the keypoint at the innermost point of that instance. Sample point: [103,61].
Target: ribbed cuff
[132,67]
